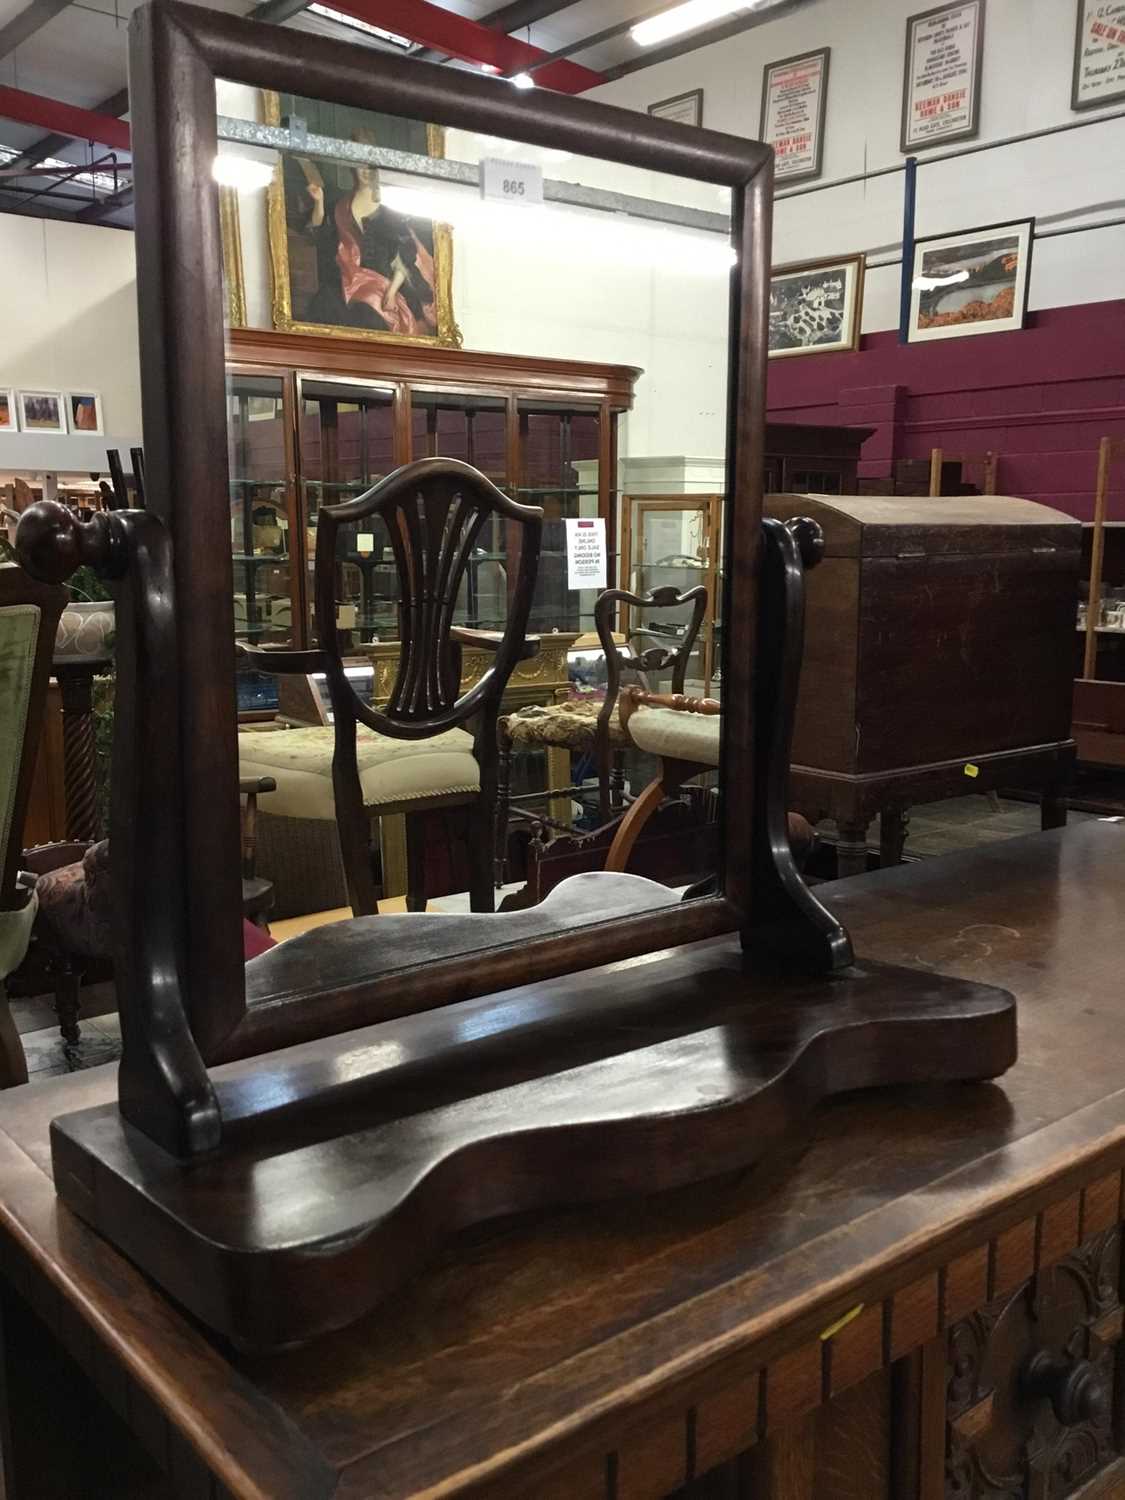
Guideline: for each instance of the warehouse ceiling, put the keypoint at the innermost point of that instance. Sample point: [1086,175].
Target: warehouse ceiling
[59,58]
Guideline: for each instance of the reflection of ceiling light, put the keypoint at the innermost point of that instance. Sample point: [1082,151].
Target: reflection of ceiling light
[250,173]
[355,24]
[935,283]
[489,68]
[563,232]
[686,17]
[524,81]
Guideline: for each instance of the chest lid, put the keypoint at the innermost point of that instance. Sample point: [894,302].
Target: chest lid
[921,526]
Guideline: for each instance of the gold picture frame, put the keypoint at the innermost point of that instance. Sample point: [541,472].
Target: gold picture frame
[448,334]
[234,276]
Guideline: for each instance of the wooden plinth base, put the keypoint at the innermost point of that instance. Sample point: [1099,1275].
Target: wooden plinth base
[350,1161]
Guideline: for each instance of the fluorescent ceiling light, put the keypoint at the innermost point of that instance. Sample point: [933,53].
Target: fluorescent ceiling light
[524,81]
[686,17]
[391,37]
[250,173]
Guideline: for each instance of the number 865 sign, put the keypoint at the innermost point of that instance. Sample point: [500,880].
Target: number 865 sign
[510,181]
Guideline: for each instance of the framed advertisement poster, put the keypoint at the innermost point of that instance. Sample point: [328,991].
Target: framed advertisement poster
[794,95]
[1099,54]
[941,75]
[815,307]
[685,109]
[972,282]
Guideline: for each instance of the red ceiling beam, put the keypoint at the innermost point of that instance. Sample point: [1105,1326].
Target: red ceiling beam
[457,36]
[64,119]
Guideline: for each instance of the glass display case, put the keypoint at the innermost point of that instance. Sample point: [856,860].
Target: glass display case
[674,540]
[316,421]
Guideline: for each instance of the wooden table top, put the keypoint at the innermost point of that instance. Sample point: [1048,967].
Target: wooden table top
[538,1338]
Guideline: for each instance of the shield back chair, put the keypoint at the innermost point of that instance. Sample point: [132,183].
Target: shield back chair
[416,754]
[592,729]
[29,618]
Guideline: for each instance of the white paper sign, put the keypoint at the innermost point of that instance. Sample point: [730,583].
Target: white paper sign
[515,182]
[940,90]
[793,98]
[1099,59]
[585,553]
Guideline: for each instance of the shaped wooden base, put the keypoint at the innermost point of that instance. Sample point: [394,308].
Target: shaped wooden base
[349,1161]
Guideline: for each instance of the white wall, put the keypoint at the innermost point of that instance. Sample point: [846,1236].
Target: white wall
[1028,59]
[68,320]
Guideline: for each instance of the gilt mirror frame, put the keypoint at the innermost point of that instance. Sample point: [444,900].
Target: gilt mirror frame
[191,818]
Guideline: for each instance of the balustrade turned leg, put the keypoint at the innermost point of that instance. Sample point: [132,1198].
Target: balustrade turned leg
[76,689]
[851,849]
[503,799]
[894,825]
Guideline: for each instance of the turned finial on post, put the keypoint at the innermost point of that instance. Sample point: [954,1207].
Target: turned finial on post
[53,542]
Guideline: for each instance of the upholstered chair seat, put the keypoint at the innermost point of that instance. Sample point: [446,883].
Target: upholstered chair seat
[390,770]
[571,725]
[676,736]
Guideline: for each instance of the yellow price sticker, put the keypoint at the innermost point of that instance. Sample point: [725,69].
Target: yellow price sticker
[841,1323]
[972,770]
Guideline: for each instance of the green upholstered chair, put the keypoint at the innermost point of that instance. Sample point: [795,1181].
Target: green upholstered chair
[29,617]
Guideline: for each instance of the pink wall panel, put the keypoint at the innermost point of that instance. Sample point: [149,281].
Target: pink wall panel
[1041,399]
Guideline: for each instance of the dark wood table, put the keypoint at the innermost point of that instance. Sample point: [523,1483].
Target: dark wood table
[841,1322]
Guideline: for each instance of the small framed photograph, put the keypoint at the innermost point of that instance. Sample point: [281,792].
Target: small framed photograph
[84,411]
[972,282]
[685,109]
[941,75]
[794,99]
[8,419]
[42,411]
[815,307]
[1099,54]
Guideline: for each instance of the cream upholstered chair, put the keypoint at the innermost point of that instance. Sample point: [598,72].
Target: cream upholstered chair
[416,754]
[685,734]
[29,617]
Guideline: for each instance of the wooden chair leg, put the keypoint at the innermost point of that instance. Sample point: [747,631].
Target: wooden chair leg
[68,989]
[503,801]
[416,862]
[629,829]
[13,1063]
[482,857]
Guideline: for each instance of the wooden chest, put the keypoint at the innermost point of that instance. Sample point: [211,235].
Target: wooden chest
[936,630]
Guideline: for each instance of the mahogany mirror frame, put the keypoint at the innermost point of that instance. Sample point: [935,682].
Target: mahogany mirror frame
[177,52]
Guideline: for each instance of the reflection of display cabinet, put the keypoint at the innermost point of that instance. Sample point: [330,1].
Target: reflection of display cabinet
[317,420]
[673,540]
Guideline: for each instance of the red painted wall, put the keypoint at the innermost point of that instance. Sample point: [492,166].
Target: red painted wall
[1041,398]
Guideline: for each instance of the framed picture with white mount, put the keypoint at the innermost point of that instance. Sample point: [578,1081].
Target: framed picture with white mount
[9,422]
[1099,54]
[42,411]
[685,109]
[794,100]
[972,282]
[941,75]
[84,411]
[815,306]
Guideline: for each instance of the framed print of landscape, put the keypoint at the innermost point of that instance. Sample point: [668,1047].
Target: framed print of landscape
[972,282]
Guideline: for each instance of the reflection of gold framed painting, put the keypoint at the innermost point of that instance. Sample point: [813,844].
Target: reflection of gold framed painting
[343,262]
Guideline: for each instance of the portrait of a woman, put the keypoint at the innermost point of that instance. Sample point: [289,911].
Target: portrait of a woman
[344,259]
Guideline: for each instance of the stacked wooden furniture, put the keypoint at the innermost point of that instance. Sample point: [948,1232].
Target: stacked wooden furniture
[939,655]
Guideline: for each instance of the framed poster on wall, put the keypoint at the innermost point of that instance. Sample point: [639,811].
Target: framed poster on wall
[1099,54]
[941,75]
[815,307]
[794,97]
[685,109]
[972,282]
